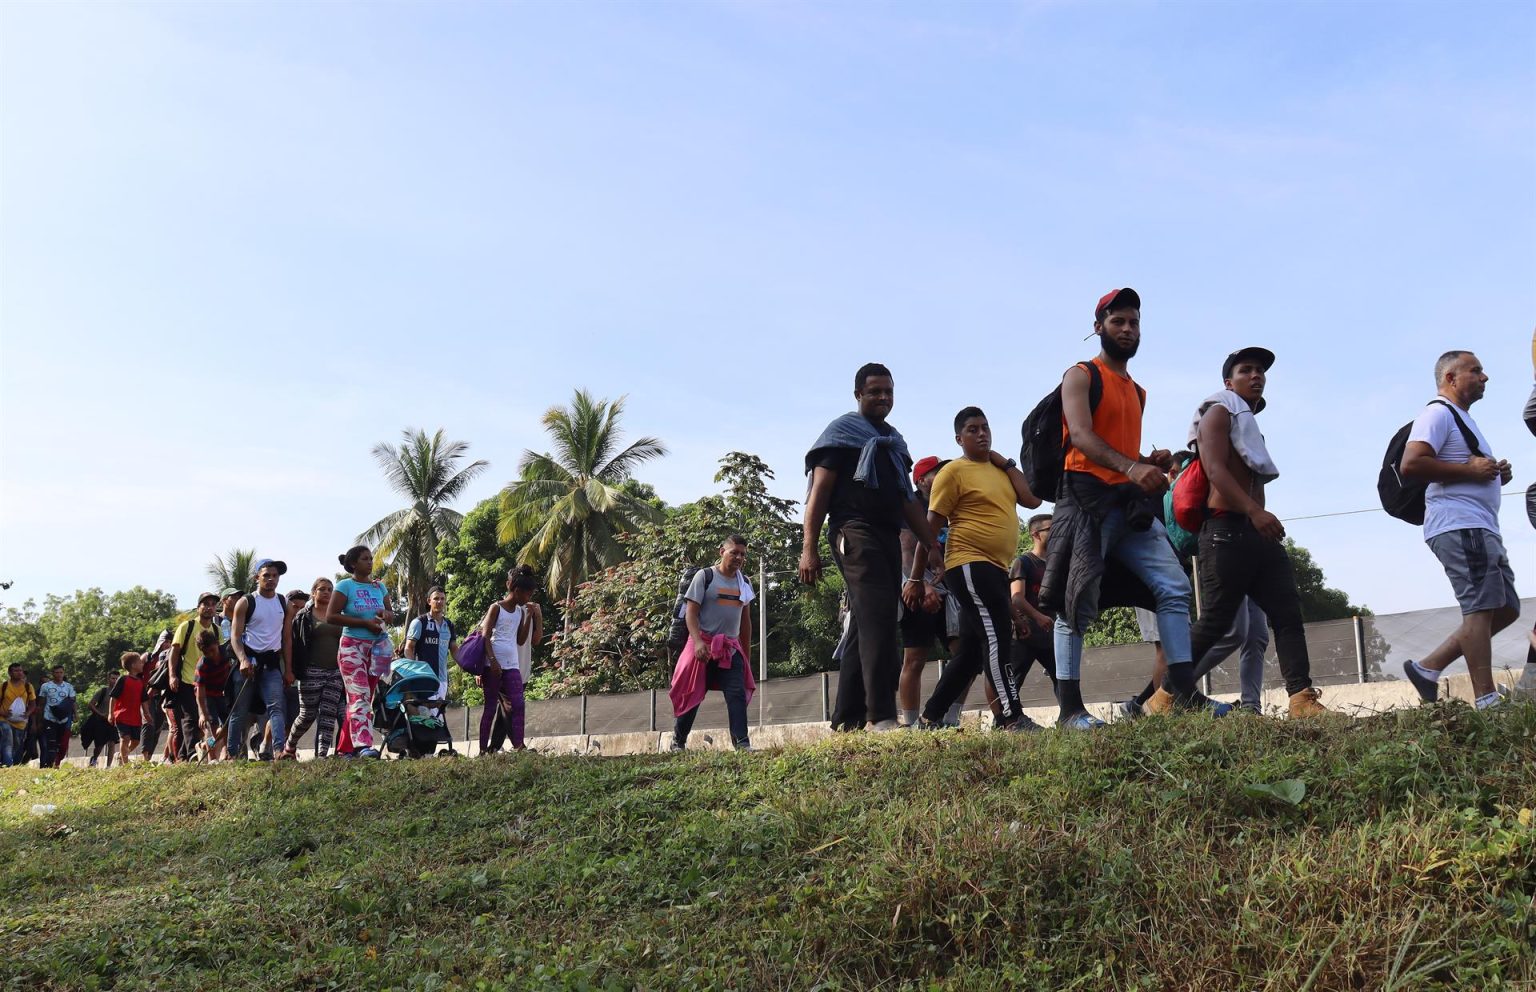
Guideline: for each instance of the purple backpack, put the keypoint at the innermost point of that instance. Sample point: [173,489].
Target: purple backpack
[472,654]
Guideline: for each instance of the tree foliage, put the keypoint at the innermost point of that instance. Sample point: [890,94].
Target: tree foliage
[425,472]
[618,642]
[1318,600]
[234,570]
[86,632]
[570,507]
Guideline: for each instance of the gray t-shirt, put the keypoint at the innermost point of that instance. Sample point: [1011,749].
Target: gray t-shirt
[721,604]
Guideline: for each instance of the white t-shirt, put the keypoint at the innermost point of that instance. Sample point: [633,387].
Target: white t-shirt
[1452,506]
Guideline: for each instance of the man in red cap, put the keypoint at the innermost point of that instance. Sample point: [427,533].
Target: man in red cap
[920,629]
[1108,546]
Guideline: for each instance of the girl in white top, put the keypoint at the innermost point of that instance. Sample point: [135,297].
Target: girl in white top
[502,679]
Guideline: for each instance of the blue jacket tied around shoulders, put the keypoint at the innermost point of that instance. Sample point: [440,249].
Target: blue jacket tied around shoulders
[853,430]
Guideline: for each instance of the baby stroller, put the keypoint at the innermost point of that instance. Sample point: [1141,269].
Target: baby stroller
[411,730]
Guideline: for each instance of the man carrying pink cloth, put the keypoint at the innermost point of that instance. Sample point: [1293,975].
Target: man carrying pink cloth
[719,636]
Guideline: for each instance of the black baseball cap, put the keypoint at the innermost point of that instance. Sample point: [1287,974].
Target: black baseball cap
[1263,356]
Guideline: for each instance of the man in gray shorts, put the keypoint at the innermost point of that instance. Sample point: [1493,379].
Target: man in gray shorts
[1461,525]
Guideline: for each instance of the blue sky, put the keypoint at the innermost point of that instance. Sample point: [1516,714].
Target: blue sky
[240,244]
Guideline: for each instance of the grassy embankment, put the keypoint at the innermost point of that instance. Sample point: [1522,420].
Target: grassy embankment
[1144,856]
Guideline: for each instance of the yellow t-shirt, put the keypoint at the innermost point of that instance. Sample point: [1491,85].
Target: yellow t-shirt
[10,696]
[187,633]
[978,501]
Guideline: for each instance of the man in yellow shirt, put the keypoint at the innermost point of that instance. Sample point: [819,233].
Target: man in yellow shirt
[974,497]
[18,701]
[183,674]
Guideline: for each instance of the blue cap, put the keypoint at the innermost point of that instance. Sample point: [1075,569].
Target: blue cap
[282,567]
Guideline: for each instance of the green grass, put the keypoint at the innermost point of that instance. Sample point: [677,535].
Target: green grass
[1140,857]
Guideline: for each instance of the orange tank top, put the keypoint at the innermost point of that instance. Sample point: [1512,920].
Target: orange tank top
[1117,420]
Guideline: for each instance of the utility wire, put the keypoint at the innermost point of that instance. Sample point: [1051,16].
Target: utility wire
[1369,509]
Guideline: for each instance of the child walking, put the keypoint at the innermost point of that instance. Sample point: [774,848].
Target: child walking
[128,704]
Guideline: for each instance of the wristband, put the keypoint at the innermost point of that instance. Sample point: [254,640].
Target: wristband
[910,581]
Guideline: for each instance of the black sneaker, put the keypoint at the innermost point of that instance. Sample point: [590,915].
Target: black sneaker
[1429,690]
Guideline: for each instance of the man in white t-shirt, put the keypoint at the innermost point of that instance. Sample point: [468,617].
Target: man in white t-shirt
[1461,525]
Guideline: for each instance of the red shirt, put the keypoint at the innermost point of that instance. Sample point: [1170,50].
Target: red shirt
[127,701]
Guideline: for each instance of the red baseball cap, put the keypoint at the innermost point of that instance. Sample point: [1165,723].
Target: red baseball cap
[1124,297]
[924,466]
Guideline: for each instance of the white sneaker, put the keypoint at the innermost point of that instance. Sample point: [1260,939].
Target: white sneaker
[884,727]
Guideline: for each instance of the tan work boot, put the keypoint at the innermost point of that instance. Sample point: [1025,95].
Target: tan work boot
[1306,703]
[1160,703]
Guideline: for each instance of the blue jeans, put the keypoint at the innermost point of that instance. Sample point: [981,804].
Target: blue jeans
[1250,637]
[268,682]
[1150,558]
[12,740]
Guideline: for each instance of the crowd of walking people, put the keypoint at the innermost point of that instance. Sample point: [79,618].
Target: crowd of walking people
[930,556]
[929,551]
[250,672]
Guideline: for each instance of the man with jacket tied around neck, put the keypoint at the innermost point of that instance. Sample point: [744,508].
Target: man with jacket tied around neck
[1108,545]
[1241,554]
[858,471]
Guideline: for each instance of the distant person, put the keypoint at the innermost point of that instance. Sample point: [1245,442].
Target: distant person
[1461,525]
[858,478]
[360,606]
[974,499]
[923,627]
[263,648]
[183,674]
[1241,551]
[56,703]
[212,681]
[431,639]
[154,712]
[18,701]
[530,632]
[506,623]
[321,694]
[718,648]
[1108,514]
[96,733]
[1033,643]
[127,709]
[227,600]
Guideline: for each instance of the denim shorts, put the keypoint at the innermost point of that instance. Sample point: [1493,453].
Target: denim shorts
[1478,567]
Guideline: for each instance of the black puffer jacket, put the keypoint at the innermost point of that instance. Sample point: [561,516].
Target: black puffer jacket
[1078,584]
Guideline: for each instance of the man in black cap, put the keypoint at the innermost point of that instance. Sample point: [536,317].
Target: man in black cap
[1241,550]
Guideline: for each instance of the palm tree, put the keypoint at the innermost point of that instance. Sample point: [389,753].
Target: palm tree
[572,505]
[236,570]
[425,471]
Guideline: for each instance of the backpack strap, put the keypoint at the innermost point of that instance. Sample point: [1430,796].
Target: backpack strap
[1461,425]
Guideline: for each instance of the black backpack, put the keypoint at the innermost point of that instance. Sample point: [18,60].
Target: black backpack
[1404,498]
[1044,453]
[677,636]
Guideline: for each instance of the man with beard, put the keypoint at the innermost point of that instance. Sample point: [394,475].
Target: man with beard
[858,476]
[1109,546]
